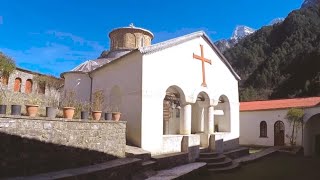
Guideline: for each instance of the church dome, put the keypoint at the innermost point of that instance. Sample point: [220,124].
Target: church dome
[129,38]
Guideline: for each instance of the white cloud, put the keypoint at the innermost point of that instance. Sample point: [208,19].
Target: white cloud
[75,39]
[56,55]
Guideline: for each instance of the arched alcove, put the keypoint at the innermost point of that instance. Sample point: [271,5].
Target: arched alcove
[200,113]
[222,118]
[172,110]
[115,98]
[17,85]
[28,86]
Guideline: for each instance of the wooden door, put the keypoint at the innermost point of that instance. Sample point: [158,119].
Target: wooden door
[317,145]
[279,133]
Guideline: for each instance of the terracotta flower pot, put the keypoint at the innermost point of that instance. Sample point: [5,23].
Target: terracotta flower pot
[68,112]
[116,116]
[32,110]
[96,115]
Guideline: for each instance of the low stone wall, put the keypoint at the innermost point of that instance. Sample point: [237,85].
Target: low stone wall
[39,145]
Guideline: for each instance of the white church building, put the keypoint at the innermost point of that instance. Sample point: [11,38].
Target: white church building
[182,87]
[264,123]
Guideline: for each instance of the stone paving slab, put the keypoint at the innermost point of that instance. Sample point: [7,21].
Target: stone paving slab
[68,173]
[257,155]
[177,172]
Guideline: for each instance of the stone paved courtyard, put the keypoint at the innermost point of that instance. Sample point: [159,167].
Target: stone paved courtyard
[275,167]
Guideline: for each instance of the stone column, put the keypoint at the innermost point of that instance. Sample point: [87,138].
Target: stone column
[210,124]
[185,124]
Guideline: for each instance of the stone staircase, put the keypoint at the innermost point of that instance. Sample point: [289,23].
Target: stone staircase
[147,165]
[217,162]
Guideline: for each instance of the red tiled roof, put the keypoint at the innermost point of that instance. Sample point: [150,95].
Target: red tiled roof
[280,104]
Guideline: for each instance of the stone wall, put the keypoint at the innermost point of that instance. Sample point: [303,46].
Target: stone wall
[129,38]
[24,76]
[30,146]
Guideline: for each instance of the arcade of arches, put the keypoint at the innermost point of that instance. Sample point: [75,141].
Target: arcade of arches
[194,118]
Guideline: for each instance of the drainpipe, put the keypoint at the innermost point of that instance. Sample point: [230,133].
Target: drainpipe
[90,87]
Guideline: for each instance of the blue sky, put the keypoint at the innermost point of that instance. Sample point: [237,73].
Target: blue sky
[54,36]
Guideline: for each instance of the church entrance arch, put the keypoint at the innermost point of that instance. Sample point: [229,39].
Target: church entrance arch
[222,116]
[279,133]
[311,137]
[172,110]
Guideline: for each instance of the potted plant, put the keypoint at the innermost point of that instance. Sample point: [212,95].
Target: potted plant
[97,104]
[108,113]
[52,104]
[85,109]
[32,105]
[116,114]
[68,104]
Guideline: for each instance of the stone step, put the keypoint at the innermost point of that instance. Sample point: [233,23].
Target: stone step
[208,154]
[136,152]
[237,153]
[232,167]
[225,163]
[204,149]
[218,158]
[165,161]
[148,164]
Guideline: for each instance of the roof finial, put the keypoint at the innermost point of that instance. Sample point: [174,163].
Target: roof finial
[131,25]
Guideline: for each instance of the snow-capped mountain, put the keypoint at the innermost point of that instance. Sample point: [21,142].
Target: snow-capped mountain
[308,3]
[239,33]
[276,21]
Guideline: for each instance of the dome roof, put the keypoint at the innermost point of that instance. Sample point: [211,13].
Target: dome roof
[130,27]
[91,65]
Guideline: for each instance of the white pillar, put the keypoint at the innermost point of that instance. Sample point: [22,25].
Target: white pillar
[185,125]
[210,125]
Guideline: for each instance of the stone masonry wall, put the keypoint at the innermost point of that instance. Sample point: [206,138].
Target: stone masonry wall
[32,146]
[104,136]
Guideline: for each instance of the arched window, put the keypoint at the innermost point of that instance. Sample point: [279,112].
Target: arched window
[17,85]
[41,88]
[263,129]
[142,42]
[28,88]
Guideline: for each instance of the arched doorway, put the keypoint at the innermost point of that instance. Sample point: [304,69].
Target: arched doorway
[28,87]
[171,111]
[279,133]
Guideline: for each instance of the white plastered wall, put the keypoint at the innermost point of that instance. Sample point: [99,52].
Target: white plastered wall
[176,66]
[80,83]
[250,127]
[311,129]
[123,78]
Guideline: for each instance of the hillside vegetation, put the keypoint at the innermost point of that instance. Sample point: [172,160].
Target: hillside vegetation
[280,61]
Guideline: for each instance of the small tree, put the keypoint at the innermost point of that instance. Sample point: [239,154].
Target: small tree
[7,66]
[98,100]
[295,119]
